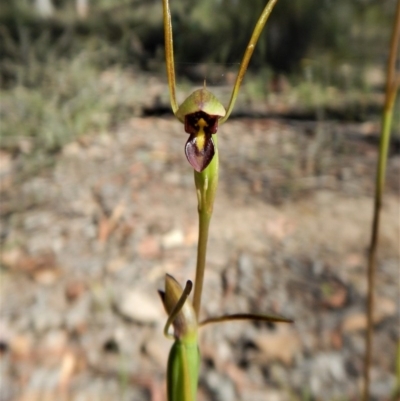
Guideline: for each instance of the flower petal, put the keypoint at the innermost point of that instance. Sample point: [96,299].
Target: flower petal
[199,151]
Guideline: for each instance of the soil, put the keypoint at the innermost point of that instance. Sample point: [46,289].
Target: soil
[86,244]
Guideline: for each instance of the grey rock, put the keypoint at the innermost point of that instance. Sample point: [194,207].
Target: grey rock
[220,386]
[327,369]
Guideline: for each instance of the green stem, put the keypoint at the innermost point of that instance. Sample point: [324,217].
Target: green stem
[380,182]
[204,224]
[206,186]
[390,96]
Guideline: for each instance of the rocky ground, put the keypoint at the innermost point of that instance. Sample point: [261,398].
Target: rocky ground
[86,244]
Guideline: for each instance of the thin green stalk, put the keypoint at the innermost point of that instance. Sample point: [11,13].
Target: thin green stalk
[396,391]
[206,181]
[204,224]
[247,56]
[206,187]
[169,55]
[387,117]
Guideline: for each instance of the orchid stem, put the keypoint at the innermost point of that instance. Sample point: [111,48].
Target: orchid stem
[206,186]
[204,224]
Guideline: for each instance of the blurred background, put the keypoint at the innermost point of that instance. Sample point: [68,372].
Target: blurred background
[98,202]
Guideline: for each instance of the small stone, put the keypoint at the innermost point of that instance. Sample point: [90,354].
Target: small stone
[46,276]
[220,386]
[55,341]
[139,306]
[282,345]
[21,346]
[327,368]
[173,239]
[149,247]
[223,352]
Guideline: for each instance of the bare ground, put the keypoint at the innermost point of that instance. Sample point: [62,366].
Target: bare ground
[87,242]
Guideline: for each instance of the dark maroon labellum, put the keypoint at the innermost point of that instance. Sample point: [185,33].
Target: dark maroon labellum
[199,159]
[199,148]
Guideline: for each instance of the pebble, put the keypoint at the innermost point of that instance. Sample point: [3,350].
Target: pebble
[282,345]
[220,386]
[138,305]
[55,341]
[173,239]
[327,367]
